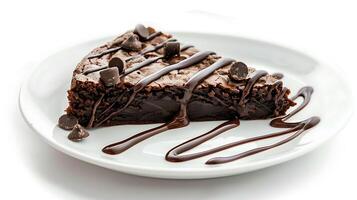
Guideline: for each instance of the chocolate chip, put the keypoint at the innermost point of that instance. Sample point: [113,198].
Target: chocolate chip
[78,133]
[118,62]
[109,76]
[141,31]
[278,76]
[132,43]
[171,49]
[67,122]
[238,71]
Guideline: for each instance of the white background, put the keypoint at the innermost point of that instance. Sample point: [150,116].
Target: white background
[32,30]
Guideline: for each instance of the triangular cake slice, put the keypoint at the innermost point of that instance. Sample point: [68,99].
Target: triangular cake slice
[146,76]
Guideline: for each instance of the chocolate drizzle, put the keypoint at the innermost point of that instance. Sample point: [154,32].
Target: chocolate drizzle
[152,36]
[257,75]
[111,50]
[185,47]
[153,59]
[151,49]
[141,65]
[96,104]
[298,127]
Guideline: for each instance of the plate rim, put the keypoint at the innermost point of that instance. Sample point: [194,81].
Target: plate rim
[213,171]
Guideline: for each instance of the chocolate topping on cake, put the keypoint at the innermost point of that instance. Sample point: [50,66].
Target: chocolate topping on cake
[171,49]
[117,61]
[238,71]
[142,31]
[109,76]
[132,43]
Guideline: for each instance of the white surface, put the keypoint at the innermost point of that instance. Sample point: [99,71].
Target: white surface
[32,169]
[42,101]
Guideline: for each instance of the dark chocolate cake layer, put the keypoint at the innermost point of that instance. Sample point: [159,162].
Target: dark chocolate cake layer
[140,77]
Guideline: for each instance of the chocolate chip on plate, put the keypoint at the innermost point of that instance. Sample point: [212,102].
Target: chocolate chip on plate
[78,133]
[132,43]
[118,62]
[171,49]
[67,122]
[141,31]
[238,71]
[109,76]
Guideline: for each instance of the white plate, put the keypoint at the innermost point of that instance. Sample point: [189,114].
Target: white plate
[43,99]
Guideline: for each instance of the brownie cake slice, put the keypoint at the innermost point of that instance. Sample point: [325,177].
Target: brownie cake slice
[145,76]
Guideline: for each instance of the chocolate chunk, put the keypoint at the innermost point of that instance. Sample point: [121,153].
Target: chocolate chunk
[78,133]
[67,122]
[118,62]
[132,43]
[238,71]
[171,49]
[278,76]
[109,76]
[141,31]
